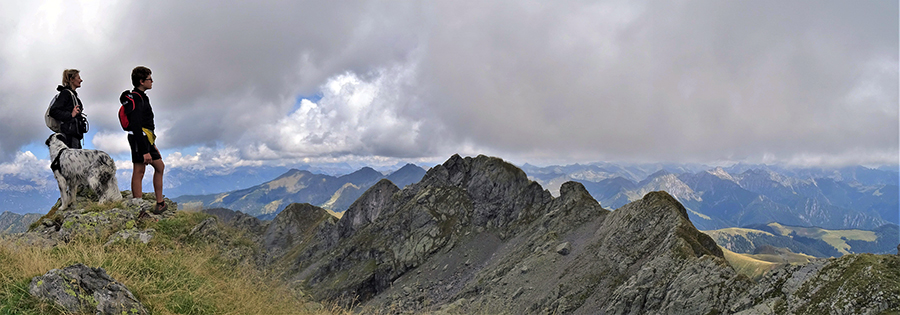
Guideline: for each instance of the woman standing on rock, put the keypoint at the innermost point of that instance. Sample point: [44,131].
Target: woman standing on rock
[67,109]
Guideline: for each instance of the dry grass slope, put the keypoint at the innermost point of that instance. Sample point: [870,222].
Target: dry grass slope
[835,238]
[748,265]
[170,275]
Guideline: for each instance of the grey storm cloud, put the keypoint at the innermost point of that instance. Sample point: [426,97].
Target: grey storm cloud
[580,80]
[672,80]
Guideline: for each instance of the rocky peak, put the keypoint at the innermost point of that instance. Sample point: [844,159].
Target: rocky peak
[367,208]
[569,189]
[298,223]
[471,173]
[653,220]
[721,173]
[499,191]
[653,176]
[574,206]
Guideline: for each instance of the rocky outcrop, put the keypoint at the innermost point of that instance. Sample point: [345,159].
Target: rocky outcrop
[79,288]
[86,218]
[851,284]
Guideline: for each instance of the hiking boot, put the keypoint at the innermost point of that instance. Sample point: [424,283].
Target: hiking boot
[160,208]
[143,215]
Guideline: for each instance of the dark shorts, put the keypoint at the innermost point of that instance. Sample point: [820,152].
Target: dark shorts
[139,158]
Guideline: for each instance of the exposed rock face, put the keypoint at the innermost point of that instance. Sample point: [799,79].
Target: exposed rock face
[79,288]
[367,208]
[476,236]
[474,220]
[299,226]
[453,200]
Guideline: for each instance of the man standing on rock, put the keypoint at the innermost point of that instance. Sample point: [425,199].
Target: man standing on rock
[141,137]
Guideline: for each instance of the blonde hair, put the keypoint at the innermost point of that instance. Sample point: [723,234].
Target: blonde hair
[68,76]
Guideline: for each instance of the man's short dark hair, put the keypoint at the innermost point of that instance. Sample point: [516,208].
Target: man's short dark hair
[139,73]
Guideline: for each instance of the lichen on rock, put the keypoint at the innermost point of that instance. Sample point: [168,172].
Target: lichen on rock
[79,288]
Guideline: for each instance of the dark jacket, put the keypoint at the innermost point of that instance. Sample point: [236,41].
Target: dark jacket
[140,115]
[61,110]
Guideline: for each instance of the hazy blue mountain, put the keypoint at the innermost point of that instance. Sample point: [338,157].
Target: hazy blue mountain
[406,175]
[28,194]
[852,197]
[180,181]
[335,193]
[38,193]
[16,223]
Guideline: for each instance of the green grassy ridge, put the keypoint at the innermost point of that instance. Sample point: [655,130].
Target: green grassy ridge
[812,241]
[173,274]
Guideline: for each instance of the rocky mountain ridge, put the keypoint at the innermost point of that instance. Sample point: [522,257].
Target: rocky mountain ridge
[475,235]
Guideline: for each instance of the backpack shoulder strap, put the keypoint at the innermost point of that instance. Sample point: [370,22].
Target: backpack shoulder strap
[74,98]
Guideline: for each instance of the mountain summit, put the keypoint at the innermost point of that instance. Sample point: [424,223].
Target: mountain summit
[475,235]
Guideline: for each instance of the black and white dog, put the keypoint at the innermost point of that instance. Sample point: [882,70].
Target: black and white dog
[74,167]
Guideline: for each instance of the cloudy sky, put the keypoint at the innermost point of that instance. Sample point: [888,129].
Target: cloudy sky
[286,82]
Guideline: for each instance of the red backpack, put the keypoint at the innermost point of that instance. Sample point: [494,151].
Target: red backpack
[123,118]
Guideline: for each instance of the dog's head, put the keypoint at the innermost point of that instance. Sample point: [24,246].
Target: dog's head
[58,136]
[56,143]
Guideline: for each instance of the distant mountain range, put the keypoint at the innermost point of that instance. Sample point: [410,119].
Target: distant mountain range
[737,196]
[742,195]
[815,242]
[36,195]
[296,186]
[16,223]
[37,192]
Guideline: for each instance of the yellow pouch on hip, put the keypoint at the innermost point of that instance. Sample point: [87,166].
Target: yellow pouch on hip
[150,136]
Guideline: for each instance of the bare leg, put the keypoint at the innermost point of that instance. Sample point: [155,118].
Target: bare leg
[158,169]
[136,179]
